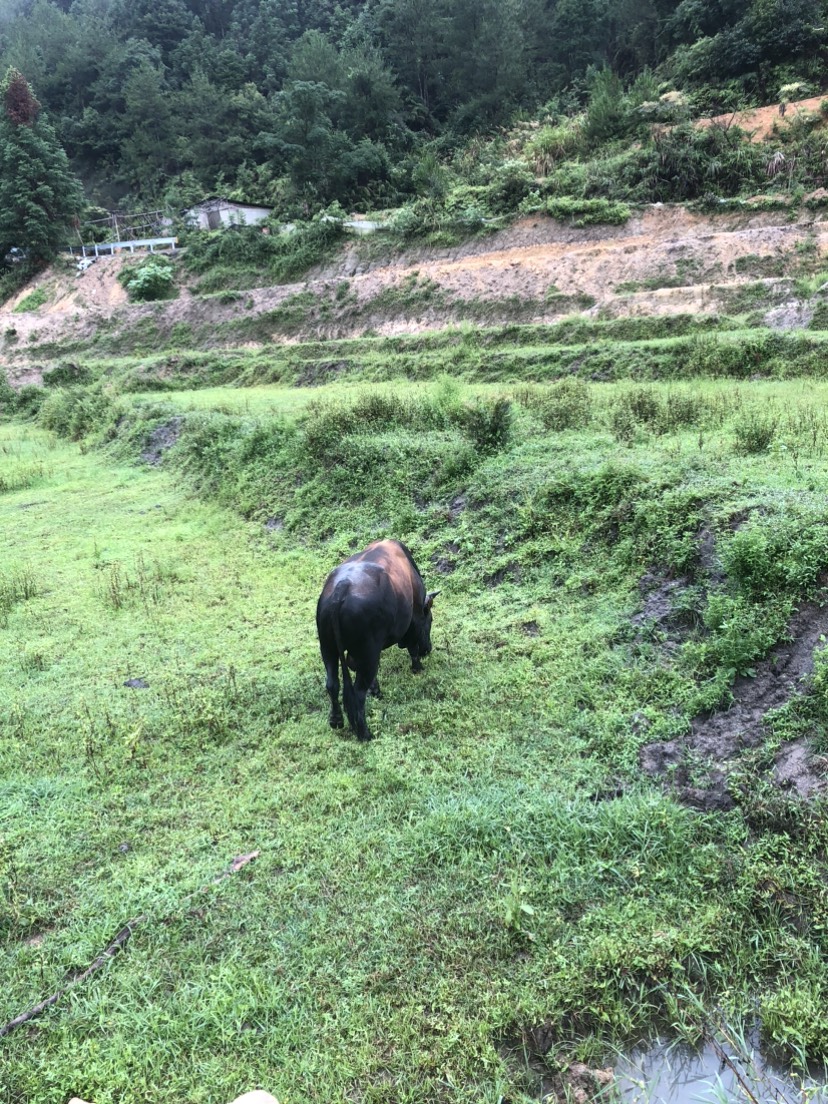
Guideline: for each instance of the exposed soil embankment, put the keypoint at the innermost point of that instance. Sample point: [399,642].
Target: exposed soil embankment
[762,122]
[665,260]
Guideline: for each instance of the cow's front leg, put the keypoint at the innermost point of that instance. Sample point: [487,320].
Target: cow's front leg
[416,665]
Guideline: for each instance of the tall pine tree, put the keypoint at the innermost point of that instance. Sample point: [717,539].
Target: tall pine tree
[39,195]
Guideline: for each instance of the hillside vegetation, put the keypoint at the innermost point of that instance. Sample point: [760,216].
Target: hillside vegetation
[383,102]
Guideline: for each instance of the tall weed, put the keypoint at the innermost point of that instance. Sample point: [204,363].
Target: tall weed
[754,431]
[77,412]
[565,404]
[15,587]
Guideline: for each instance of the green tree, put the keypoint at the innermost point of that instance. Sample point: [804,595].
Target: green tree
[39,196]
[370,103]
[414,34]
[490,63]
[311,147]
[147,148]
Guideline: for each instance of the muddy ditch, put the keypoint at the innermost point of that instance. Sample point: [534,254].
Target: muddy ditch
[162,438]
[660,1069]
[697,765]
[525,1055]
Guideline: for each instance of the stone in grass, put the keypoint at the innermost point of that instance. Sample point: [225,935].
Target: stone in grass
[256,1097]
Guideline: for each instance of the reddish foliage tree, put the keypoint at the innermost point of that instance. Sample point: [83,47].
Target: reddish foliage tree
[20,105]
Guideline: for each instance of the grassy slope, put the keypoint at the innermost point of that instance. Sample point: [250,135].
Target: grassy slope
[292,973]
[422,899]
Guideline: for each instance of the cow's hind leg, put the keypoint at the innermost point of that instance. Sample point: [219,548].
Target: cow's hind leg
[374,688]
[335,718]
[365,683]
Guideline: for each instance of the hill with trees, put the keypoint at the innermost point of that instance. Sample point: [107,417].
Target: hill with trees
[302,103]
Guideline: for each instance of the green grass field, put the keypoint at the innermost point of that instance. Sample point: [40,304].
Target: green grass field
[495,860]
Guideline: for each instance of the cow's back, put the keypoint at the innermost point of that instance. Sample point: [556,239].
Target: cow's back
[373,600]
[370,598]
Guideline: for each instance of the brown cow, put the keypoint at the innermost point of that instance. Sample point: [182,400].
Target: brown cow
[373,600]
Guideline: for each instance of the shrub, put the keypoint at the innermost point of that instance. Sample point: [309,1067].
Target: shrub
[553,144]
[30,399]
[588,212]
[245,254]
[754,432]
[75,412]
[751,560]
[608,114]
[488,424]
[739,636]
[682,409]
[8,396]
[633,409]
[149,280]
[566,404]
[777,555]
[512,183]
[417,219]
[243,245]
[468,204]
[66,374]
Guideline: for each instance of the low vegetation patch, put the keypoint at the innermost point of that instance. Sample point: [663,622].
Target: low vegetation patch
[32,301]
[538,510]
[149,279]
[246,257]
[588,212]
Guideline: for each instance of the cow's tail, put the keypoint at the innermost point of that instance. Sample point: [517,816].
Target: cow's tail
[348,693]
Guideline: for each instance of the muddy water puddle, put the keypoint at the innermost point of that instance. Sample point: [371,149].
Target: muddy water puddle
[664,1073]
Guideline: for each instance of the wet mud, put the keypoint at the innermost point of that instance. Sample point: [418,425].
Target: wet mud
[698,765]
[163,437]
[525,1054]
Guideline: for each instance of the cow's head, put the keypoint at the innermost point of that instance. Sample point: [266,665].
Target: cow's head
[424,628]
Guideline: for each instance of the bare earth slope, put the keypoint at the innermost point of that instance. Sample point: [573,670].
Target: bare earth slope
[665,260]
[760,122]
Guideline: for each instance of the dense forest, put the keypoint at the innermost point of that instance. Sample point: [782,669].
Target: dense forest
[300,103]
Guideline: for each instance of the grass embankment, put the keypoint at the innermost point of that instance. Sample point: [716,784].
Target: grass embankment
[675,348]
[494,860]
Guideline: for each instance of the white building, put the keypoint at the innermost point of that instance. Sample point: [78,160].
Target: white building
[215,212]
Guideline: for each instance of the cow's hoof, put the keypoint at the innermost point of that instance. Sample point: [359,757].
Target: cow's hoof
[375,691]
[336,722]
[416,668]
[365,736]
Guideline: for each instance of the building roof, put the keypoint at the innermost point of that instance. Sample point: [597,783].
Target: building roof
[211,202]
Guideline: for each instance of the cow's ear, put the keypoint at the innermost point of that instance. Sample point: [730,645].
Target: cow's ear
[429,599]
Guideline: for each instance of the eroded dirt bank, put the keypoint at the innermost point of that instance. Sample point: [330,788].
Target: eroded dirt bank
[665,260]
